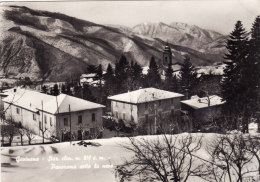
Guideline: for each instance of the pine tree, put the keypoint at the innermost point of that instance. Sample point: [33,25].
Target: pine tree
[250,74]
[68,89]
[232,90]
[168,78]
[138,75]
[99,72]
[63,89]
[55,90]
[134,78]
[153,77]
[109,81]
[188,78]
[91,68]
[121,74]
[44,89]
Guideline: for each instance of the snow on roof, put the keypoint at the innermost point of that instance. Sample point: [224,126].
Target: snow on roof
[35,101]
[144,95]
[198,103]
[90,75]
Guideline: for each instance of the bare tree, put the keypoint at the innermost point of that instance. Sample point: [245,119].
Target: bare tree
[9,131]
[30,135]
[166,158]
[97,132]
[82,131]
[253,144]
[43,130]
[22,132]
[230,159]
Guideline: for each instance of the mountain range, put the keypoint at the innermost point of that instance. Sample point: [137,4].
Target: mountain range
[53,46]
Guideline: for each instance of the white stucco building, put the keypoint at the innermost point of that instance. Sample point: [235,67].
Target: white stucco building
[57,115]
[149,107]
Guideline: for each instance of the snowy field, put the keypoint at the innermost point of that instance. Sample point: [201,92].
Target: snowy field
[68,162]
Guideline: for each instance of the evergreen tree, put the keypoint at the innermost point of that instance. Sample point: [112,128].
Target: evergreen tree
[250,74]
[99,72]
[121,74]
[100,84]
[137,75]
[188,78]
[169,72]
[91,68]
[153,76]
[109,81]
[168,78]
[87,93]
[44,89]
[232,89]
[134,77]
[175,86]
[63,89]
[68,89]
[55,90]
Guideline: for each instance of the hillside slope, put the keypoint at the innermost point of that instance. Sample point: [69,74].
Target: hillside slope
[53,46]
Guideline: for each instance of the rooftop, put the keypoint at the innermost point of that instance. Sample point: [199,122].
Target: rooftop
[198,103]
[144,95]
[34,101]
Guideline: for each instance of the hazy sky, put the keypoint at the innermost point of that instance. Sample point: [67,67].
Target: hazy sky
[212,14]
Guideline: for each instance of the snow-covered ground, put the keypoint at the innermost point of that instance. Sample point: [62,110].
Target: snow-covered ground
[41,163]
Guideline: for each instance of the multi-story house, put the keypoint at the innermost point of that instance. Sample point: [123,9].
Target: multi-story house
[63,116]
[150,108]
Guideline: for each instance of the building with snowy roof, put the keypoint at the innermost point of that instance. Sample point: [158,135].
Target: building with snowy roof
[150,107]
[59,116]
[202,110]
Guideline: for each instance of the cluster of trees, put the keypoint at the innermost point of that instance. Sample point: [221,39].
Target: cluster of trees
[241,80]
[9,129]
[128,76]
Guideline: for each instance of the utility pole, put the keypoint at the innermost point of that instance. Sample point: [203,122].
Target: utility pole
[42,124]
[58,118]
[155,117]
[70,125]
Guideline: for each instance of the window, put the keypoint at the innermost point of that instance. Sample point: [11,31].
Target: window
[40,125]
[80,119]
[45,119]
[93,117]
[123,105]
[146,118]
[171,101]
[65,121]
[123,115]
[34,117]
[116,103]
[50,121]
[17,110]
[160,102]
